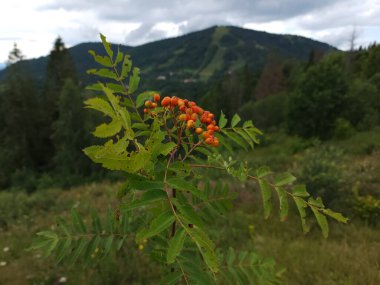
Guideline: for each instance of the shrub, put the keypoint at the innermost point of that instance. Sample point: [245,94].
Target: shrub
[322,171]
[167,201]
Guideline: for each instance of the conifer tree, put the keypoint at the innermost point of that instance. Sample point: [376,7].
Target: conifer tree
[60,67]
[15,55]
[19,146]
[69,133]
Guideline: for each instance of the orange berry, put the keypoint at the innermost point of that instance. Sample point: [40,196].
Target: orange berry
[216,129]
[146,111]
[180,102]
[182,117]
[209,140]
[215,143]
[213,122]
[208,121]
[156,97]
[194,109]
[197,110]
[182,108]
[198,131]
[174,101]
[194,116]
[165,102]
[148,104]
[210,127]
[190,124]
[153,105]
[205,135]
[211,116]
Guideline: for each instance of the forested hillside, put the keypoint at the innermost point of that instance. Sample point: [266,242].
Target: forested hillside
[278,81]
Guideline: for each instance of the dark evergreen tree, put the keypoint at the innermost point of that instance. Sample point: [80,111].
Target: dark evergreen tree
[70,135]
[19,146]
[15,55]
[60,67]
[229,94]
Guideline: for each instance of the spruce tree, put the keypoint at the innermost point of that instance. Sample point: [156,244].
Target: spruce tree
[69,134]
[60,67]
[19,146]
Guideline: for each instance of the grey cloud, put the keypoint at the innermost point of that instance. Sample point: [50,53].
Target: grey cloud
[309,15]
[179,10]
[354,13]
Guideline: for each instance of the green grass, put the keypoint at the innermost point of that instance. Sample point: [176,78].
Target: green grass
[361,143]
[350,255]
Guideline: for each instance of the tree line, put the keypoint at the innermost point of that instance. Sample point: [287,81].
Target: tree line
[44,126]
[330,96]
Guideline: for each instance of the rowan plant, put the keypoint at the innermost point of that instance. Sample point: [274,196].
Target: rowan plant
[163,146]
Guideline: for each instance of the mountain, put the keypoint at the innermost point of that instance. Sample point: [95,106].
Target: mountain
[197,56]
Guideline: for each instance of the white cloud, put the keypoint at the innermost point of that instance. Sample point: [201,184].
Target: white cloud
[34,25]
[169,28]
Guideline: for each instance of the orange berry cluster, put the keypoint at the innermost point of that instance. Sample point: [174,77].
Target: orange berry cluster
[189,112]
[151,105]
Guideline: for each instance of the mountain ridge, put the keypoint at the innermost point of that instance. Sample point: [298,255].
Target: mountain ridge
[198,55]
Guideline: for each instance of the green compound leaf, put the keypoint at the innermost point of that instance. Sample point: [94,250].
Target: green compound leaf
[322,221]
[63,226]
[206,247]
[183,185]
[139,182]
[245,136]
[158,224]
[78,222]
[119,57]
[235,120]
[236,138]
[300,191]
[116,88]
[146,198]
[284,179]
[134,80]
[101,105]
[103,60]
[337,216]
[103,72]
[96,225]
[107,46]
[108,245]
[301,206]
[108,130]
[266,193]
[284,204]
[263,171]
[175,245]
[222,120]
[126,67]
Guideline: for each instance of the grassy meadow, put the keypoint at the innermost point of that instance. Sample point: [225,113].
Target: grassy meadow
[351,254]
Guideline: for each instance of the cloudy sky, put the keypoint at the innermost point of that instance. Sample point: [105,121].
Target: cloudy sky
[34,24]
